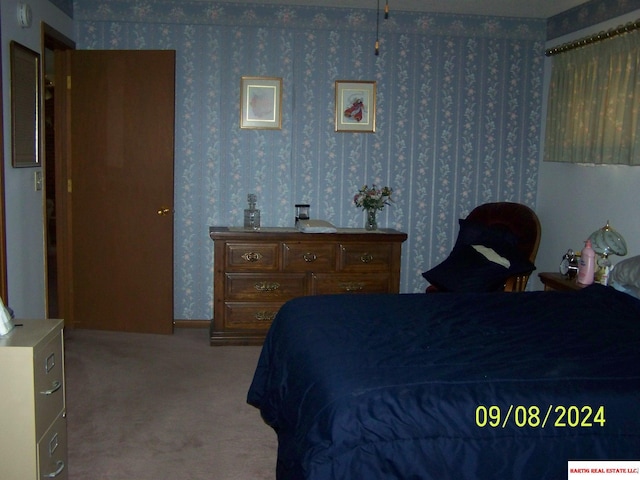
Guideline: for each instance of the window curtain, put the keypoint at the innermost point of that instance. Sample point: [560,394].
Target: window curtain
[594,101]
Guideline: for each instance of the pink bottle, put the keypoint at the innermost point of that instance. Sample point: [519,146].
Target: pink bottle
[587,266]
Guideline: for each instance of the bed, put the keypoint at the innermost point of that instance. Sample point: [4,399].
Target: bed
[439,386]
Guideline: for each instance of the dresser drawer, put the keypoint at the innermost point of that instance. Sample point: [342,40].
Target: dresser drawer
[324,284]
[361,257]
[52,451]
[308,256]
[242,257]
[257,272]
[250,316]
[48,383]
[263,287]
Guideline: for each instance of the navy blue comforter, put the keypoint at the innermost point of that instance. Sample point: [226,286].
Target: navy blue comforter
[443,386]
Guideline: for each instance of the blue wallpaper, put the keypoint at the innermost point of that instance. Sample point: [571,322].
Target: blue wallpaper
[458,119]
[65,5]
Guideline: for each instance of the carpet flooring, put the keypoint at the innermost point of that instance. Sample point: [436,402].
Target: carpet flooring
[162,407]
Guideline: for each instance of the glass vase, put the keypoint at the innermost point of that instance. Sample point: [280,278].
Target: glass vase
[372,223]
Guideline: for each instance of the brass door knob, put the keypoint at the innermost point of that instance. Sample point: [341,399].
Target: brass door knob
[164,211]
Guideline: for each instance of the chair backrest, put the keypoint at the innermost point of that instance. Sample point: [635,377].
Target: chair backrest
[522,221]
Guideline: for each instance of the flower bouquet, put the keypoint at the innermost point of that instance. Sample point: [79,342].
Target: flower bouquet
[372,199]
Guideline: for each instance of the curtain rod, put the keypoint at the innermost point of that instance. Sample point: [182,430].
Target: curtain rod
[614,32]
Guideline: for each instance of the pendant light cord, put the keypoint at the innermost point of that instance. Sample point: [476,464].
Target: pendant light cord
[386,15]
[377,48]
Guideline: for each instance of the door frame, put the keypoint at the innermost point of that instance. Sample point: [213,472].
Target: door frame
[3,239]
[51,39]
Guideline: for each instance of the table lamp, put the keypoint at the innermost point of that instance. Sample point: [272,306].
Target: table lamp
[606,241]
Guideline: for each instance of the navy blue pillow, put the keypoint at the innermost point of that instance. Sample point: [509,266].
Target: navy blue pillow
[467,270]
[502,240]
[497,237]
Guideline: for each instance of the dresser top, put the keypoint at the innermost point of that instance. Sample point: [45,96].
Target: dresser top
[291,234]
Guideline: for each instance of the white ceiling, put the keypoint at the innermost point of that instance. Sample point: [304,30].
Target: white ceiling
[508,8]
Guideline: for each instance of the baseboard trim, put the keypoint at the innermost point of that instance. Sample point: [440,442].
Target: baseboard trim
[191,323]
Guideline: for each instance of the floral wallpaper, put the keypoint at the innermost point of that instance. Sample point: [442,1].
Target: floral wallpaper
[458,123]
[65,5]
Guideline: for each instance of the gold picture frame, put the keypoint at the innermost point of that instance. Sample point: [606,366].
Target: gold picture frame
[261,103]
[25,106]
[355,106]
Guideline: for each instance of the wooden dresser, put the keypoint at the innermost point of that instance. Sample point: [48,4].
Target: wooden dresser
[33,437]
[256,272]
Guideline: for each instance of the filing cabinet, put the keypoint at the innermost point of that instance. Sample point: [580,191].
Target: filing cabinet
[33,432]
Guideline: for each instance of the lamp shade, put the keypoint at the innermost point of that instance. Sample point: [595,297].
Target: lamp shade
[607,241]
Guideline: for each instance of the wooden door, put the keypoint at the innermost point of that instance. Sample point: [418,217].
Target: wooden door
[114,145]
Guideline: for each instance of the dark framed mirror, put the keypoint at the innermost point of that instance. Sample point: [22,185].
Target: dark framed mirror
[25,106]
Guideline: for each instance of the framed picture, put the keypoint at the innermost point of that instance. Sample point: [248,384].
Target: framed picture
[25,106]
[261,103]
[355,106]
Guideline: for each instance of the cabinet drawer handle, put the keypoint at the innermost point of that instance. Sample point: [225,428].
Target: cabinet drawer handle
[252,256]
[366,258]
[351,286]
[264,315]
[55,386]
[266,286]
[60,465]
[309,257]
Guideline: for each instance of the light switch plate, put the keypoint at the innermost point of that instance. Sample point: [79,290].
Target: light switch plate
[37,180]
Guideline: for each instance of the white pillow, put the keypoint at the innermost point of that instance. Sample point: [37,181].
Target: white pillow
[626,273]
[633,291]
[491,255]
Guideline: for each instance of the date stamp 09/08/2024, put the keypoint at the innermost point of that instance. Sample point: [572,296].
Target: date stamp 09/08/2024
[560,416]
[533,416]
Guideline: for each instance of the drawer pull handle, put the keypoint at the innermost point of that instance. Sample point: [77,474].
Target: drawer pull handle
[252,256]
[310,257]
[267,286]
[351,286]
[55,386]
[262,316]
[59,469]
[366,258]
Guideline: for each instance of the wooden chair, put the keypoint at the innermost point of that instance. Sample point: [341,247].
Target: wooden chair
[520,220]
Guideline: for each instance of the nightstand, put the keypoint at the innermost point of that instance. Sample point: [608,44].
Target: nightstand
[557,281]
